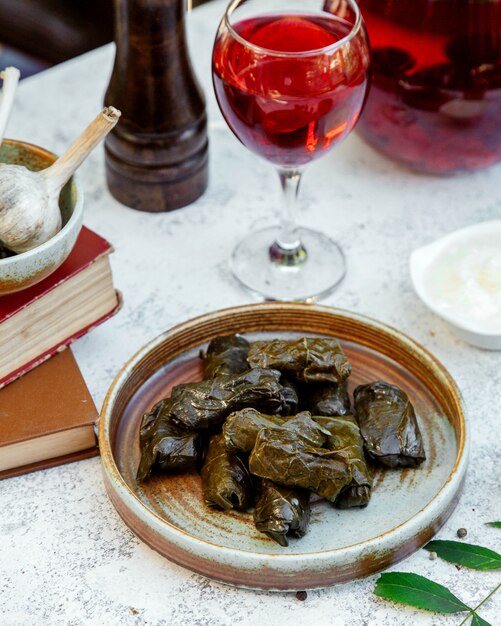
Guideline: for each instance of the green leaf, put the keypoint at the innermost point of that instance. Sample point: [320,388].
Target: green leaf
[418,591]
[495,524]
[478,621]
[465,554]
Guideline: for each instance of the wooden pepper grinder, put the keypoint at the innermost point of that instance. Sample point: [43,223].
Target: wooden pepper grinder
[157,156]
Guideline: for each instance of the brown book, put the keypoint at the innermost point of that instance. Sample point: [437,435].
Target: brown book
[47,418]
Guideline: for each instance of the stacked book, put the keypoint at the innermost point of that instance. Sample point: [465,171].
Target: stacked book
[47,415]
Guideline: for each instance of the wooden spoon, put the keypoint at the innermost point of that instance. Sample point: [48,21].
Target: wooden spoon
[29,201]
[10,76]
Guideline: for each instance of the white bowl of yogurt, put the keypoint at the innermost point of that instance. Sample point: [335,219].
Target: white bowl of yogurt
[459,278]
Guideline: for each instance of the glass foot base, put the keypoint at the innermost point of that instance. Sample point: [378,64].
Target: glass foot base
[311,280]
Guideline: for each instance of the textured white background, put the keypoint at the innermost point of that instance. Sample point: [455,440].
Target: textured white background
[65,555]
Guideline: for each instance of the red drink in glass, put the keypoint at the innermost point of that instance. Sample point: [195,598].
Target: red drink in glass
[290,78]
[435,100]
[290,109]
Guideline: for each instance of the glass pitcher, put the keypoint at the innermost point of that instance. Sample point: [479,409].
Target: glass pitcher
[435,100]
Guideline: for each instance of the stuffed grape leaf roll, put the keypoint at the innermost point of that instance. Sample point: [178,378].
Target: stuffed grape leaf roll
[241,428]
[150,420]
[226,482]
[197,406]
[282,511]
[165,446]
[388,425]
[309,359]
[346,439]
[331,399]
[226,355]
[283,457]
[290,400]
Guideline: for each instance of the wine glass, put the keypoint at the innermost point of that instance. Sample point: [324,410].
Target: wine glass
[290,77]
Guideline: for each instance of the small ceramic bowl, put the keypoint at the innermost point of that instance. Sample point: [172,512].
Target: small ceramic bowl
[458,277]
[28,268]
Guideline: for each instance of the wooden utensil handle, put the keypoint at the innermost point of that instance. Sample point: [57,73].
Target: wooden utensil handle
[60,172]
[10,77]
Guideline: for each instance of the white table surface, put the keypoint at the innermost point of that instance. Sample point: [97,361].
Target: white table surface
[66,557]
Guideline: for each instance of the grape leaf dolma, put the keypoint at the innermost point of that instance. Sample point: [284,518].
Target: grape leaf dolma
[388,425]
[197,406]
[290,400]
[283,457]
[326,399]
[309,359]
[241,428]
[164,445]
[282,511]
[346,439]
[226,355]
[226,482]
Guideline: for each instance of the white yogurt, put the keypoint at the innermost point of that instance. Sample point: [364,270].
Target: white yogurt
[459,278]
[465,282]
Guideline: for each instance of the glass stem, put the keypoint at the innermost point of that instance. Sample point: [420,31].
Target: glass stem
[288,250]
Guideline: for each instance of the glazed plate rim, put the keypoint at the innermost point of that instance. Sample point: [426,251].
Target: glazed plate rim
[438,503]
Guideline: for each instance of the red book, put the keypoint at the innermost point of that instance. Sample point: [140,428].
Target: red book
[38,322]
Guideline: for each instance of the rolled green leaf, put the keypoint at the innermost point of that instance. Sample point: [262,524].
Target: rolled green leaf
[465,554]
[164,446]
[226,355]
[345,438]
[329,399]
[150,420]
[226,482]
[242,428]
[290,400]
[495,524]
[197,406]
[419,592]
[285,458]
[388,425]
[282,511]
[310,359]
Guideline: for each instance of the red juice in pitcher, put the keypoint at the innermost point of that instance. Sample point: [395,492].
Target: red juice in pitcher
[435,100]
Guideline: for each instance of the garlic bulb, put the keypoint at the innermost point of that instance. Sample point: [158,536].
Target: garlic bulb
[29,201]
[28,216]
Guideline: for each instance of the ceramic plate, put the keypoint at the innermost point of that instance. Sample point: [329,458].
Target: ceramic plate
[407,506]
